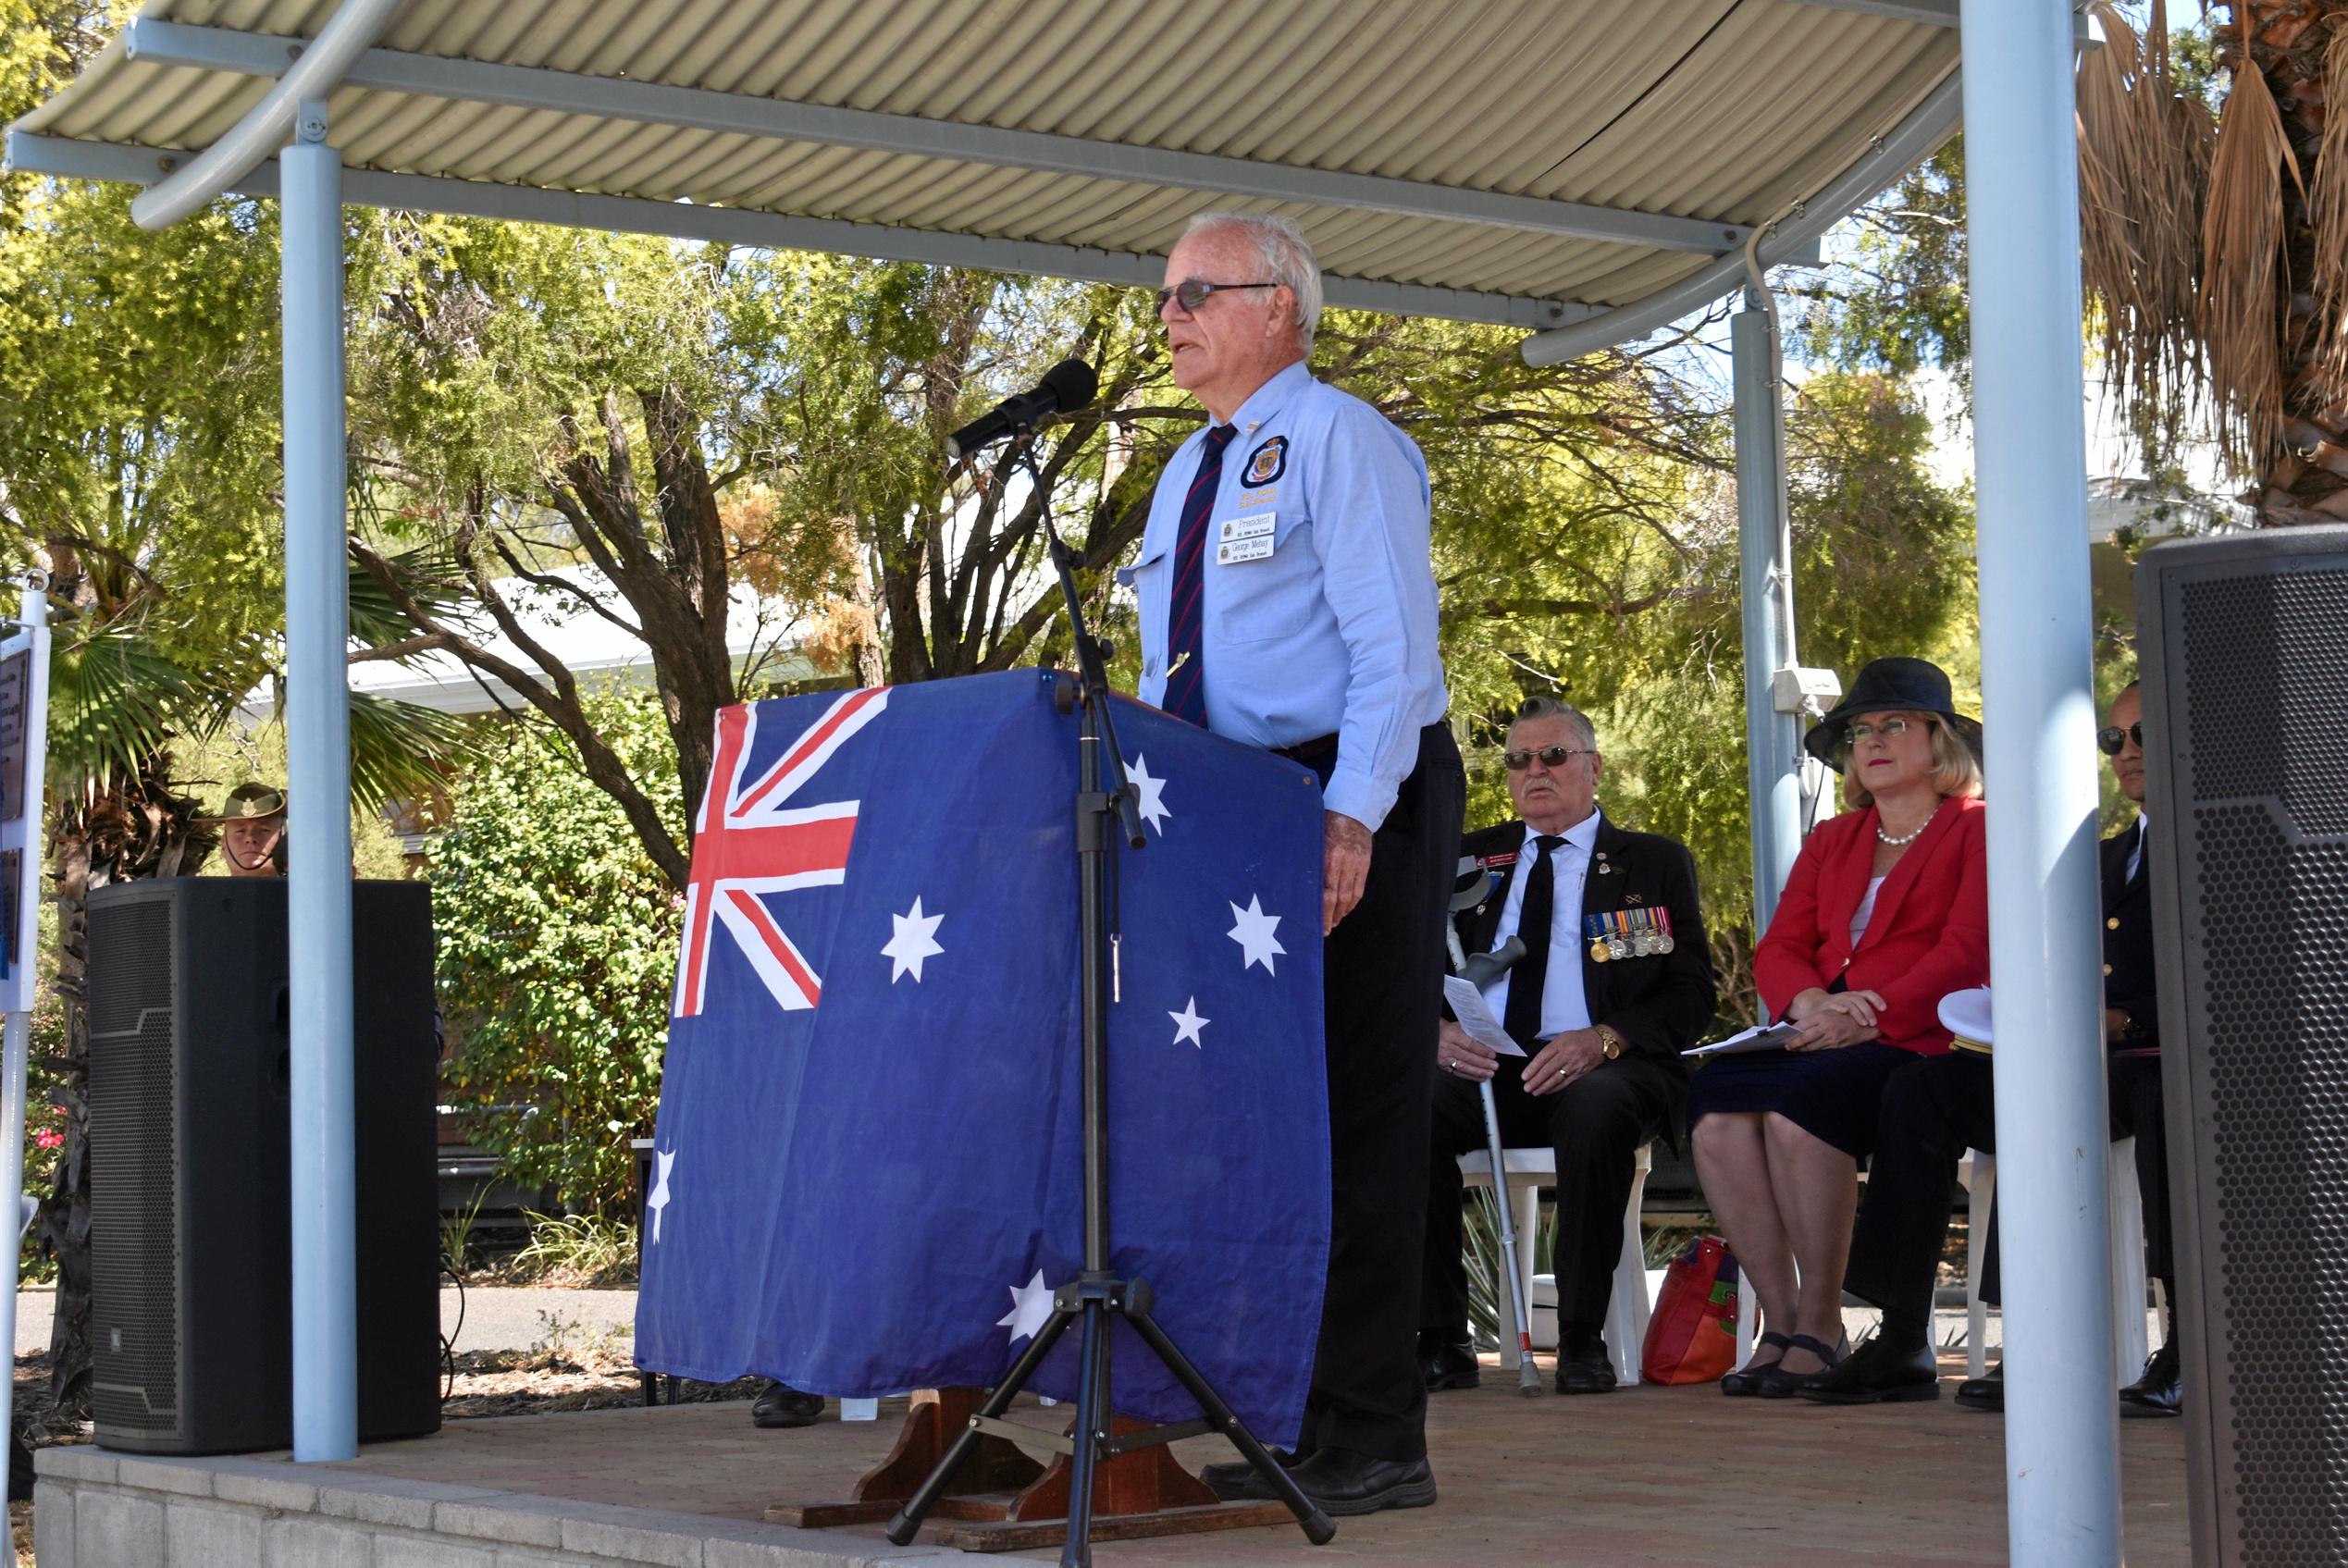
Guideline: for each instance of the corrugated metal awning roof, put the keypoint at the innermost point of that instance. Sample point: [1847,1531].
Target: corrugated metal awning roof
[1533,161]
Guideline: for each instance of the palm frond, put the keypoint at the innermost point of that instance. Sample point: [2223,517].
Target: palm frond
[2144,161]
[2238,311]
[427,573]
[2330,218]
[116,701]
[402,750]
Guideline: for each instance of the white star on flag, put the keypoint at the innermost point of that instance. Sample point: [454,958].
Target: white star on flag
[916,939]
[1252,929]
[1031,1309]
[1153,793]
[1187,1023]
[662,1159]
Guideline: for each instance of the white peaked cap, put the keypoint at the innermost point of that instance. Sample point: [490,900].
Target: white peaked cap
[1965,1013]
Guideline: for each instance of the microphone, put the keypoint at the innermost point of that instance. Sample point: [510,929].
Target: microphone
[1066,387]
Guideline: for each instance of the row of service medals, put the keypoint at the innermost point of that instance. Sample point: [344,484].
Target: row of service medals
[1629,934]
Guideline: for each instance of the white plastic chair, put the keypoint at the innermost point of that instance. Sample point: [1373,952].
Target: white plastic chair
[2130,1341]
[1529,1170]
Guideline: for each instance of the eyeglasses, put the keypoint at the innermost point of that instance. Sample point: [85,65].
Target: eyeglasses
[1550,756]
[2113,741]
[1890,729]
[1192,292]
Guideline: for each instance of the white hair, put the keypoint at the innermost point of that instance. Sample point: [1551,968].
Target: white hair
[1543,706]
[1287,257]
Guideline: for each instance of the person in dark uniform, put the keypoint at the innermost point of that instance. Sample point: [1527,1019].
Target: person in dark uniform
[1616,981]
[1936,1109]
[1287,600]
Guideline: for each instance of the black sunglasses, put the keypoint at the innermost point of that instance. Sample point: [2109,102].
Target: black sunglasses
[1192,292]
[1550,756]
[2112,742]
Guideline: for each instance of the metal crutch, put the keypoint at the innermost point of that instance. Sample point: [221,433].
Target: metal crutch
[1480,971]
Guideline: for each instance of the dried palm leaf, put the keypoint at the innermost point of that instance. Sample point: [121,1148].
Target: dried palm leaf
[2144,161]
[2242,287]
[2329,215]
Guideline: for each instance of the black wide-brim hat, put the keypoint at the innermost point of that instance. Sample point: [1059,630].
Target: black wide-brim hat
[1890,685]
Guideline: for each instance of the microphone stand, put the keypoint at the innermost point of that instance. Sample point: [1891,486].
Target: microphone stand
[1089,1299]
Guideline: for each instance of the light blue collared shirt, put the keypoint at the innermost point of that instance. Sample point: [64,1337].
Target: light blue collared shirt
[1332,632]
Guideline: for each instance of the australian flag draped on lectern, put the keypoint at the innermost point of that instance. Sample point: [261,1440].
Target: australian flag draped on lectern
[867,1171]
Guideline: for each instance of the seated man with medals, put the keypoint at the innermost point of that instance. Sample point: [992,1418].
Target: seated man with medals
[1616,981]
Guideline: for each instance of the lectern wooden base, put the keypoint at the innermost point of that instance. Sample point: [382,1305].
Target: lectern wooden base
[1002,1501]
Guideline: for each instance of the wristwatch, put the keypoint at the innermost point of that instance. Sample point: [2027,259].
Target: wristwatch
[1609,1043]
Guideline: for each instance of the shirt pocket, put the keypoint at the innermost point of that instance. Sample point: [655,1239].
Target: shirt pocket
[1152,580]
[1260,600]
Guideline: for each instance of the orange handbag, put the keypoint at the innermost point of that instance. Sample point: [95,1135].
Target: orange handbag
[1691,1335]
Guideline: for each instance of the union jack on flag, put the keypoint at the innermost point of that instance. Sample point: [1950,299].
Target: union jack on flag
[750,843]
[867,1172]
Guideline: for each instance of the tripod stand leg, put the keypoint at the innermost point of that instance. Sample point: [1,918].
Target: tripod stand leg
[1316,1523]
[1092,1426]
[907,1521]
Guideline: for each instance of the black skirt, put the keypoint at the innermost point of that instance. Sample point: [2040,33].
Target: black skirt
[1832,1096]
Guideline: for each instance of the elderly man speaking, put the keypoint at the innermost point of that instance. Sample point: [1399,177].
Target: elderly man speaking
[1288,600]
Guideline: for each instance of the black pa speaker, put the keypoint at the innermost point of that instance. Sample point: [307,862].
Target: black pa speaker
[2243,648]
[190,1194]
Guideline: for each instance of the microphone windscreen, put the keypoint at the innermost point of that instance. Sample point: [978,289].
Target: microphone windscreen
[1073,382]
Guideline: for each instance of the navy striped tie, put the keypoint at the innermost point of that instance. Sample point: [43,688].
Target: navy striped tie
[1186,676]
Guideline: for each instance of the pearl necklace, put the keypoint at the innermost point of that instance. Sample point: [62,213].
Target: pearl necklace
[1903,838]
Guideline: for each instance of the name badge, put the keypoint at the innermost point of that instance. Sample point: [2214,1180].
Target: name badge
[1233,529]
[1239,551]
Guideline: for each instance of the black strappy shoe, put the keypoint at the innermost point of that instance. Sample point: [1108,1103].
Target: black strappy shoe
[1776,1383]
[1746,1381]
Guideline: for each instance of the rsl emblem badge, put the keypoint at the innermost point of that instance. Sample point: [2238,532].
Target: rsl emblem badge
[1267,463]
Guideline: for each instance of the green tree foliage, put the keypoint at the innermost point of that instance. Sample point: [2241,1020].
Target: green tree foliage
[558,941]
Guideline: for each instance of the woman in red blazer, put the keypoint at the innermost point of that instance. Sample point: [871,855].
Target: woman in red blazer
[1885,911]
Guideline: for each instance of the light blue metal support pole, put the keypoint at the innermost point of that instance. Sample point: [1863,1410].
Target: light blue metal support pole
[1773,740]
[326,1319]
[2021,161]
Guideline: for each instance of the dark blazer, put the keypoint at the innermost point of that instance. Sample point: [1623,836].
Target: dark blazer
[1929,935]
[1661,1003]
[2128,944]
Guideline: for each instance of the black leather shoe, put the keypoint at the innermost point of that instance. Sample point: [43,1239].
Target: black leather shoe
[1345,1483]
[1235,1480]
[1875,1373]
[2161,1390]
[779,1404]
[1448,1365]
[1984,1393]
[1586,1368]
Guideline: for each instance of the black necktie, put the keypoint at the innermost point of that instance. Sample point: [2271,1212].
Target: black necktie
[1529,975]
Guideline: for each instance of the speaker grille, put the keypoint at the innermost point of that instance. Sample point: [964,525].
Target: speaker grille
[2260,682]
[134,1382]
[2265,920]
[2270,933]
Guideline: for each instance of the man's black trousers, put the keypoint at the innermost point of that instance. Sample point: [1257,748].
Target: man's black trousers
[1382,972]
[1934,1110]
[1596,1124]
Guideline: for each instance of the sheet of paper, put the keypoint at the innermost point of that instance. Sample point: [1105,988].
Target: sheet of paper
[1467,1005]
[1760,1037]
